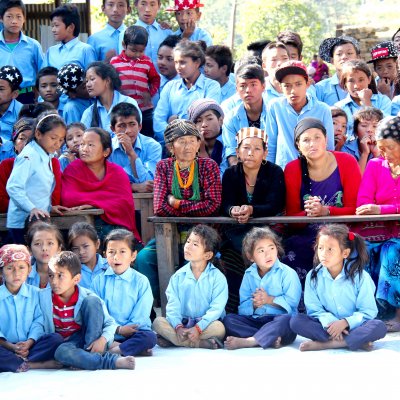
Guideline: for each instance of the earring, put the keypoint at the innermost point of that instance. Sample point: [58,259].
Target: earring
[264,162]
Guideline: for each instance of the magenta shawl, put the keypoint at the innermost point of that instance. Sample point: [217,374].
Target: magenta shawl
[113,193]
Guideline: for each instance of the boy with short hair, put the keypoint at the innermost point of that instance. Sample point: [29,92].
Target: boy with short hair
[23,342]
[10,79]
[65,26]
[47,87]
[18,49]
[218,66]
[285,112]
[293,43]
[187,14]
[136,153]
[139,78]
[106,41]
[78,315]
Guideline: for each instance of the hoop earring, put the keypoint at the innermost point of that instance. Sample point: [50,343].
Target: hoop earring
[264,162]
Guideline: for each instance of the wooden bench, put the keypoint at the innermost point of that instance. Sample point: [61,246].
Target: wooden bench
[167,237]
[144,204]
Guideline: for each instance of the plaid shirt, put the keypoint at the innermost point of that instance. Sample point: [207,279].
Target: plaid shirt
[210,190]
[137,77]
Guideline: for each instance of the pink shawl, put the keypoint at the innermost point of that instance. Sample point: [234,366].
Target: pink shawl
[113,193]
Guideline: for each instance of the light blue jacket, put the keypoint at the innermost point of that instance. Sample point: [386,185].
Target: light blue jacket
[329,91]
[87,275]
[198,34]
[8,119]
[395,105]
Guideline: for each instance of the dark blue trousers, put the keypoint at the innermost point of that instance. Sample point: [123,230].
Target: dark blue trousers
[137,343]
[311,328]
[42,350]
[264,329]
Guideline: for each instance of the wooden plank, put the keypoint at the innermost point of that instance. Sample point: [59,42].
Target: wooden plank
[144,203]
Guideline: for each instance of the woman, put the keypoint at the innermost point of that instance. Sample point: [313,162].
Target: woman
[378,195]
[184,185]
[92,181]
[319,183]
[102,84]
[252,188]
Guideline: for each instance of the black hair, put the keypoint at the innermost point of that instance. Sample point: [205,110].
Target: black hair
[137,1]
[105,138]
[338,112]
[69,14]
[257,47]
[44,226]
[247,60]
[125,110]
[34,110]
[122,235]
[222,55]
[48,120]
[290,38]
[251,71]
[255,235]
[357,258]
[78,125]
[366,113]
[274,45]
[357,65]
[135,34]
[68,260]
[398,30]
[170,41]
[82,229]
[6,5]
[127,3]
[45,72]
[106,71]
[190,49]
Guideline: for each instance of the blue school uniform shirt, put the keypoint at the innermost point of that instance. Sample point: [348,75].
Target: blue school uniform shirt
[7,150]
[329,91]
[88,276]
[8,119]
[61,103]
[281,121]
[163,82]
[228,90]
[34,277]
[330,300]
[74,51]
[176,98]
[30,185]
[349,106]
[74,109]
[148,152]
[46,304]
[128,297]
[27,56]
[105,40]
[21,316]
[395,105]
[198,34]
[233,122]
[104,114]
[203,298]
[280,281]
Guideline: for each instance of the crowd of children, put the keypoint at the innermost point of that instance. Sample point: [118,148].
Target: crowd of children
[121,97]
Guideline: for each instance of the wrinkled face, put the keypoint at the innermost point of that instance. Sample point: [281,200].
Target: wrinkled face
[185,148]
[250,90]
[390,150]
[165,62]
[52,140]
[119,256]
[251,152]
[147,10]
[265,254]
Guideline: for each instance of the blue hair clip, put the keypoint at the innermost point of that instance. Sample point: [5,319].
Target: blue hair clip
[217,255]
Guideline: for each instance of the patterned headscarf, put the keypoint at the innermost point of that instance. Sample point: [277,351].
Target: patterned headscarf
[178,128]
[11,74]
[70,76]
[251,132]
[388,128]
[10,253]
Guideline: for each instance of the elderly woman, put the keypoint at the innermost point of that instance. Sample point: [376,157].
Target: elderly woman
[184,185]
[379,194]
[92,181]
[319,183]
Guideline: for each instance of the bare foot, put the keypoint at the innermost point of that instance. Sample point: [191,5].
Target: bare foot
[212,343]
[146,353]
[312,345]
[393,325]
[125,362]
[368,346]
[278,343]
[50,364]
[233,342]
[115,349]
[162,342]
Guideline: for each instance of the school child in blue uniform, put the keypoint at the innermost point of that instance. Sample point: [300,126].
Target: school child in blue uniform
[269,294]
[106,41]
[10,79]
[47,87]
[65,26]
[23,342]
[197,294]
[32,179]
[73,140]
[85,243]
[80,317]
[18,49]
[339,295]
[127,295]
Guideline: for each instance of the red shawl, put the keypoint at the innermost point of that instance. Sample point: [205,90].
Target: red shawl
[113,193]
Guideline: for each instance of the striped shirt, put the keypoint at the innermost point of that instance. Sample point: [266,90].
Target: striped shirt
[63,314]
[137,76]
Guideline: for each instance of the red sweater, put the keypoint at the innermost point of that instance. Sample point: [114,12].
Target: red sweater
[350,178]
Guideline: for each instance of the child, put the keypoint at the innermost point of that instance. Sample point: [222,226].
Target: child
[65,26]
[339,118]
[138,75]
[103,83]
[137,154]
[32,180]
[384,57]
[10,79]
[106,41]
[47,86]
[218,66]
[197,294]
[19,50]
[293,43]
[362,144]
[73,140]
[23,343]
[80,317]
[127,295]
[45,241]
[339,295]
[269,294]
[187,14]
[356,79]
[85,243]
[285,112]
